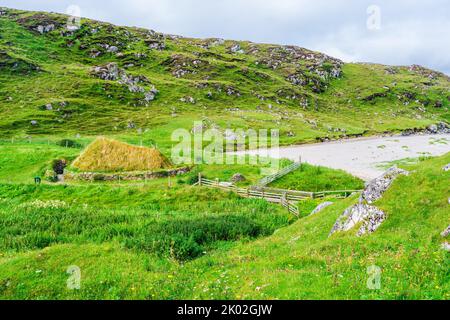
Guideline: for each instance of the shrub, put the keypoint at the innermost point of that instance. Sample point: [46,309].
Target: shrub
[67,143]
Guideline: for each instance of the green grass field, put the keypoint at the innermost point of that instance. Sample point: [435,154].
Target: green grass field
[149,241]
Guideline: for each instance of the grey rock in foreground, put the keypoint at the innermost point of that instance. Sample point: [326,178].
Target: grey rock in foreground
[320,207]
[370,217]
[446,168]
[446,246]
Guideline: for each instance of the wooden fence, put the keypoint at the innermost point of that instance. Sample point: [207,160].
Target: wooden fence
[269,179]
[287,198]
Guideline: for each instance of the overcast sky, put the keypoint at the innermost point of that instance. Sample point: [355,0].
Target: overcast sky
[399,32]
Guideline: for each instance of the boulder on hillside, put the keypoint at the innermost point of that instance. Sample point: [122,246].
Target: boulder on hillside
[320,207]
[446,168]
[112,72]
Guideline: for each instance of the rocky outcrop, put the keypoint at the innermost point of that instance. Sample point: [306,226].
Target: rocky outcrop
[374,190]
[109,72]
[369,217]
[181,65]
[439,128]
[42,23]
[363,213]
[112,72]
[320,207]
[446,168]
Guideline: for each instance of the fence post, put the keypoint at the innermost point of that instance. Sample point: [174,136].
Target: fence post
[199,179]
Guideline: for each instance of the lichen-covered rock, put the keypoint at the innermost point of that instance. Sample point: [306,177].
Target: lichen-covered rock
[320,207]
[376,188]
[369,217]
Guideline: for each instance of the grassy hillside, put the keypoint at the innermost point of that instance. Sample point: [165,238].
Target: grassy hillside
[53,82]
[146,243]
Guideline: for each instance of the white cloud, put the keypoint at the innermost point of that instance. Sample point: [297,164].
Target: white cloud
[412,31]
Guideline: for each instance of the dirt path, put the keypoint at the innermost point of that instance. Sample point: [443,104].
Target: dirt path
[364,157]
